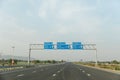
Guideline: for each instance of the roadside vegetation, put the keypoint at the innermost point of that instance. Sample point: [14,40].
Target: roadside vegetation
[23,62]
[6,65]
[113,65]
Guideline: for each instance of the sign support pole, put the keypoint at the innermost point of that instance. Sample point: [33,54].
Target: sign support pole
[52,46]
[29,55]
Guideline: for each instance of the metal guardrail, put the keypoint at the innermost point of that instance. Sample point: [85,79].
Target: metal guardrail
[6,68]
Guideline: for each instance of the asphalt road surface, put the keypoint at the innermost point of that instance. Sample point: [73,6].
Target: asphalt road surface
[66,71]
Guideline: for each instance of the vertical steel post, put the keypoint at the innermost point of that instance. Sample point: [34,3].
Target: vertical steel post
[96,61]
[29,55]
[1,55]
[13,55]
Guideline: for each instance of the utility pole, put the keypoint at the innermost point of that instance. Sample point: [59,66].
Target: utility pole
[13,50]
[29,55]
[96,63]
[1,55]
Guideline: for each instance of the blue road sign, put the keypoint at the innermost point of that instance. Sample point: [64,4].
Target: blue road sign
[77,45]
[48,45]
[62,45]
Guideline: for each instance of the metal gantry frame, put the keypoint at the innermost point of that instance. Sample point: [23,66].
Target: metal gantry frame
[41,47]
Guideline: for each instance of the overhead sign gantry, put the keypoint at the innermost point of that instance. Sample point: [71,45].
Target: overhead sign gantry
[62,46]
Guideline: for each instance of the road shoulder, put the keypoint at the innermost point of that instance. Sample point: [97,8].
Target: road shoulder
[107,70]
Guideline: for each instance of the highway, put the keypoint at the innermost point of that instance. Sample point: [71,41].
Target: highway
[65,71]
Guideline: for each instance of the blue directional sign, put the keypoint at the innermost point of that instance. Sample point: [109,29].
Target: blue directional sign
[48,45]
[62,45]
[77,45]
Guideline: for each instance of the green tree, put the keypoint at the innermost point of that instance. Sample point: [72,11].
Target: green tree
[48,61]
[36,61]
[53,61]
[15,61]
[3,62]
[115,62]
[10,61]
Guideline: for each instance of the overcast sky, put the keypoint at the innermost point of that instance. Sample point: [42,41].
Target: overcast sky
[35,21]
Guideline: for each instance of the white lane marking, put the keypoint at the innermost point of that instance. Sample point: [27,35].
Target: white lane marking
[20,75]
[83,71]
[58,71]
[62,69]
[54,74]
[88,74]
[34,72]
[80,69]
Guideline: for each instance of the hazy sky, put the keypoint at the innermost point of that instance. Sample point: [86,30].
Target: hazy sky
[35,21]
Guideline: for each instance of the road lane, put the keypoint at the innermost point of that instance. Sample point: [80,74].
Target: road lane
[67,71]
[70,72]
[98,74]
[41,73]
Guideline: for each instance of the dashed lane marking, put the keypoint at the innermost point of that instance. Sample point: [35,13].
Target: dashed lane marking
[20,75]
[80,69]
[88,74]
[83,71]
[54,75]
[34,72]
[58,71]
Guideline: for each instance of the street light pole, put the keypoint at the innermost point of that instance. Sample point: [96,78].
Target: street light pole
[1,55]
[13,48]
[96,63]
[29,55]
